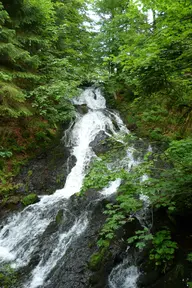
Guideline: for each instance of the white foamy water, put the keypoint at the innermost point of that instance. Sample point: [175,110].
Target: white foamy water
[92,98]
[84,132]
[20,237]
[124,276]
[45,266]
[112,188]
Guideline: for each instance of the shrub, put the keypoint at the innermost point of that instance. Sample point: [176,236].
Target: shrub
[30,199]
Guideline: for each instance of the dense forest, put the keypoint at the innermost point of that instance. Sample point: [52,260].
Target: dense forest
[140,53]
[45,56]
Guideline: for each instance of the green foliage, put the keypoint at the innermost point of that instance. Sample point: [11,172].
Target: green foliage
[5,153]
[98,177]
[42,69]
[151,57]
[29,199]
[180,152]
[171,188]
[51,103]
[167,187]
[162,253]
[121,212]
[8,277]
[189,257]
[164,249]
[141,238]
[115,220]
[44,57]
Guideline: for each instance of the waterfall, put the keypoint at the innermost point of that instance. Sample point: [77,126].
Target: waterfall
[125,275]
[32,240]
[21,235]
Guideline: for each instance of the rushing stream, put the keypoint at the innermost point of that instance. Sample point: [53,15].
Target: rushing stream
[29,240]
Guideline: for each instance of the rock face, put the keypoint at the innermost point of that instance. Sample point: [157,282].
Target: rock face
[72,270]
[99,144]
[46,173]
[42,175]
[82,109]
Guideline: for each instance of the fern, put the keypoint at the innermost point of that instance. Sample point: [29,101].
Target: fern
[12,101]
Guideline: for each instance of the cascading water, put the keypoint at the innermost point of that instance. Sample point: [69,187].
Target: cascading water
[20,237]
[125,275]
[31,240]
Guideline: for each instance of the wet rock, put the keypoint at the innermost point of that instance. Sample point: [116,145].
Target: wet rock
[132,127]
[73,269]
[46,173]
[82,109]
[10,203]
[147,279]
[99,144]
[154,279]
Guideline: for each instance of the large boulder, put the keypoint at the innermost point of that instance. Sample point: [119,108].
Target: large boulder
[100,144]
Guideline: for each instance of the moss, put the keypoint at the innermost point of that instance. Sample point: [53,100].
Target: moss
[91,244]
[8,276]
[14,199]
[8,188]
[30,199]
[29,173]
[97,259]
[59,217]
[60,177]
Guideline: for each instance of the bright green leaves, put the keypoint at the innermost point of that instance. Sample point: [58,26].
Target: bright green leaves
[149,55]
[127,203]
[118,215]
[5,153]
[37,54]
[98,177]
[164,249]
[12,101]
[171,188]
[30,199]
[168,187]
[189,257]
[44,57]
[41,12]
[52,101]
[3,15]
[180,152]
[141,238]
[116,219]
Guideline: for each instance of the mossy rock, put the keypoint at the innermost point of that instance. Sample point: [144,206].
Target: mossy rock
[14,199]
[82,109]
[59,217]
[96,260]
[10,202]
[30,199]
